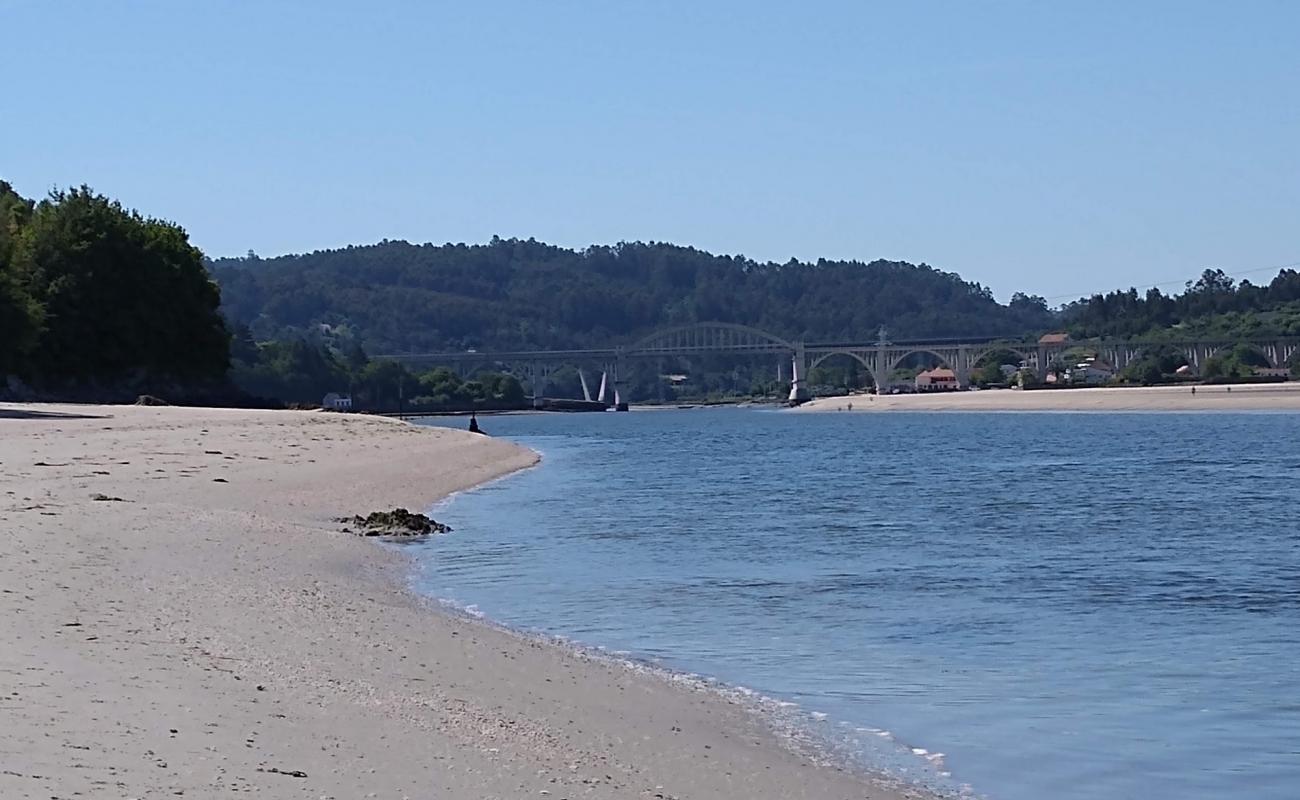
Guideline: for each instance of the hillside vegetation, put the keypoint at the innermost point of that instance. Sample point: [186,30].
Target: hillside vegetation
[396,297]
[1213,306]
[99,302]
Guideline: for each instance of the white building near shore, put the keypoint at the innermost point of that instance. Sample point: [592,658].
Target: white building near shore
[1091,371]
[337,402]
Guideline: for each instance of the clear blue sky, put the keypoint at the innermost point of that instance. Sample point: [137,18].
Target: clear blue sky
[1053,147]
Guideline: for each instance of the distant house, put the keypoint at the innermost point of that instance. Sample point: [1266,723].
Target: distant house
[337,402]
[939,379]
[1091,371]
[1054,338]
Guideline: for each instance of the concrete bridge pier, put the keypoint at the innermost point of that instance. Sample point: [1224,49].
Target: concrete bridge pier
[1285,350]
[799,392]
[1044,361]
[964,366]
[620,402]
[537,379]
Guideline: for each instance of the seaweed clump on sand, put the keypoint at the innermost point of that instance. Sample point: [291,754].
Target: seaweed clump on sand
[398,522]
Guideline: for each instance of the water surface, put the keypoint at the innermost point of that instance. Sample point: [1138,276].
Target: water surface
[1062,605]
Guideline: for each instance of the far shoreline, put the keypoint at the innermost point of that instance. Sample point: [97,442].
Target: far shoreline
[1220,398]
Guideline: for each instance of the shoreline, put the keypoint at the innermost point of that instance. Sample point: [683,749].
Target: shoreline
[1223,398]
[918,774]
[794,727]
[186,618]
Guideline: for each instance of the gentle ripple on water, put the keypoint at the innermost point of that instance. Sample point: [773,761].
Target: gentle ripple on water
[1065,605]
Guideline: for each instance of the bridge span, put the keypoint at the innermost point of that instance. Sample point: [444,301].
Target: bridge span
[880,357]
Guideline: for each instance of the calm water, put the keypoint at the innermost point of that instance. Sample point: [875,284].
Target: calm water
[1063,605]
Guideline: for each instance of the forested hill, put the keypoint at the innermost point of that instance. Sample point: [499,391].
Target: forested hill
[398,297]
[1214,305]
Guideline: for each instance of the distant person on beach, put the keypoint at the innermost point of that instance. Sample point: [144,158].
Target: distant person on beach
[473,423]
[1193,390]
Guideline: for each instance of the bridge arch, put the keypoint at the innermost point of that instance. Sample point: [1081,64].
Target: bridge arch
[871,370]
[709,336]
[1029,356]
[1174,354]
[1227,347]
[897,357]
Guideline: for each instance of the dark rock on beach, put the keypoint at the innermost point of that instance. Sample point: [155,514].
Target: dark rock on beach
[398,522]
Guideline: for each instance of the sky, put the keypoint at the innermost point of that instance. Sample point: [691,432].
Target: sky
[1056,148]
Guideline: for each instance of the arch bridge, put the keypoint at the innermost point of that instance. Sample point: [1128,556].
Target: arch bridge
[880,358]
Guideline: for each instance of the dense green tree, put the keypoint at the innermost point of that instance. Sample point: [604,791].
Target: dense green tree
[1238,361]
[20,314]
[1248,355]
[303,371]
[124,297]
[1032,304]
[1149,372]
[988,370]
[501,389]
[1216,368]
[990,374]
[385,384]
[442,388]
[293,371]
[1213,305]
[1156,365]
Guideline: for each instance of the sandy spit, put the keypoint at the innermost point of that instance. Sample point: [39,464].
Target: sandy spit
[181,618]
[1251,397]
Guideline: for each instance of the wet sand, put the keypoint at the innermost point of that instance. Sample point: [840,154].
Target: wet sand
[182,617]
[1248,397]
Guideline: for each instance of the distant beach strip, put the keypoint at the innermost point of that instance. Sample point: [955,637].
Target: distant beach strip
[1222,398]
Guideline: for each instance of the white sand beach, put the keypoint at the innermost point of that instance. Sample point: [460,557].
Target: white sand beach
[1249,397]
[182,617]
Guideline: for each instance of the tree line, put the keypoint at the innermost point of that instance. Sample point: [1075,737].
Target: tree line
[520,294]
[304,370]
[1213,305]
[95,298]
[97,301]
